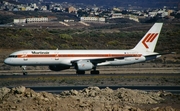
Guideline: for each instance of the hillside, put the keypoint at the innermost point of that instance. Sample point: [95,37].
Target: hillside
[122,36]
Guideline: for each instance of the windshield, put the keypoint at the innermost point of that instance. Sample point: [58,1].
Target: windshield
[12,56]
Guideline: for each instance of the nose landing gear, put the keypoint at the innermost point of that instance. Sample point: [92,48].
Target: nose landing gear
[24,70]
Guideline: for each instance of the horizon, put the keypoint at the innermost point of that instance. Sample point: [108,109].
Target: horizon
[119,3]
[141,3]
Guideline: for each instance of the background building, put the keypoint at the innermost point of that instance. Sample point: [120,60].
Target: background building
[41,19]
[72,10]
[19,21]
[92,19]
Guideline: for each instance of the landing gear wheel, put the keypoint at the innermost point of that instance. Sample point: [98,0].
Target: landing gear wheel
[25,73]
[24,70]
[95,72]
[80,72]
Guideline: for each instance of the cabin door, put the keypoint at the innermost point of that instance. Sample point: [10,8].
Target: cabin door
[56,56]
[25,56]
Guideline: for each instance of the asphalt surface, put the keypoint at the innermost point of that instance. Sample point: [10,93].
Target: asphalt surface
[172,89]
[72,75]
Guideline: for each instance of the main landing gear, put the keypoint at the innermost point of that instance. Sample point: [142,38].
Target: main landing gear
[24,70]
[83,72]
[95,72]
[80,72]
[92,72]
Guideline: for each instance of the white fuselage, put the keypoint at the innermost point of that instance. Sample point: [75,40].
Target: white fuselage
[65,57]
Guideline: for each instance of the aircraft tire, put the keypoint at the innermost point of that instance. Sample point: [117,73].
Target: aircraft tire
[25,73]
[95,72]
[80,72]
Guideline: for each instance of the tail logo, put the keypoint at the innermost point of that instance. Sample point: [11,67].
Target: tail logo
[149,38]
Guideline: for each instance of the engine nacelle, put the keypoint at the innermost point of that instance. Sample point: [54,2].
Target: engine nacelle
[84,65]
[58,67]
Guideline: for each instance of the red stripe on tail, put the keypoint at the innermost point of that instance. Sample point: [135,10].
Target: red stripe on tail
[144,41]
[150,37]
[154,37]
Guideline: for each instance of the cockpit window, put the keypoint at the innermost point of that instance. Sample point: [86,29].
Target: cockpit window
[13,56]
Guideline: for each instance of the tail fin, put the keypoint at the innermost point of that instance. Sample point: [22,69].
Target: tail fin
[148,42]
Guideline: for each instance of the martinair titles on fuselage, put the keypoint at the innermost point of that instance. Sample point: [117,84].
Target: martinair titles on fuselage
[40,52]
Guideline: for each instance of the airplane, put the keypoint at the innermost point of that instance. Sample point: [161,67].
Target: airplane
[86,60]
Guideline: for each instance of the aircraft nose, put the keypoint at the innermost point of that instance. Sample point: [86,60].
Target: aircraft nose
[7,61]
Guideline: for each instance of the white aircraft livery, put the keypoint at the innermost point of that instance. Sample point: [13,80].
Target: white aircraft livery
[84,60]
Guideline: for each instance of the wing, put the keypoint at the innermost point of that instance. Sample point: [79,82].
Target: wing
[96,61]
[99,60]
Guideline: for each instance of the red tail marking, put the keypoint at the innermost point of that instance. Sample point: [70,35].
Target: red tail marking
[144,41]
[154,37]
[149,38]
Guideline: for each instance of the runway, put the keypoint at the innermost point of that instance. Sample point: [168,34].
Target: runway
[88,75]
[130,69]
[56,83]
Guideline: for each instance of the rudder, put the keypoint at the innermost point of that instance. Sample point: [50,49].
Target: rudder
[148,42]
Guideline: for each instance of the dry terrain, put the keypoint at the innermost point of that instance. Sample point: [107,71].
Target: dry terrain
[88,99]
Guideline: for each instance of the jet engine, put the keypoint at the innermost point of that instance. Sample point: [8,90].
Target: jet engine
[58,67]
[83,65]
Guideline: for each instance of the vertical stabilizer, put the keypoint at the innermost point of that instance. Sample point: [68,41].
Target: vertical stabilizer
[148,42]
